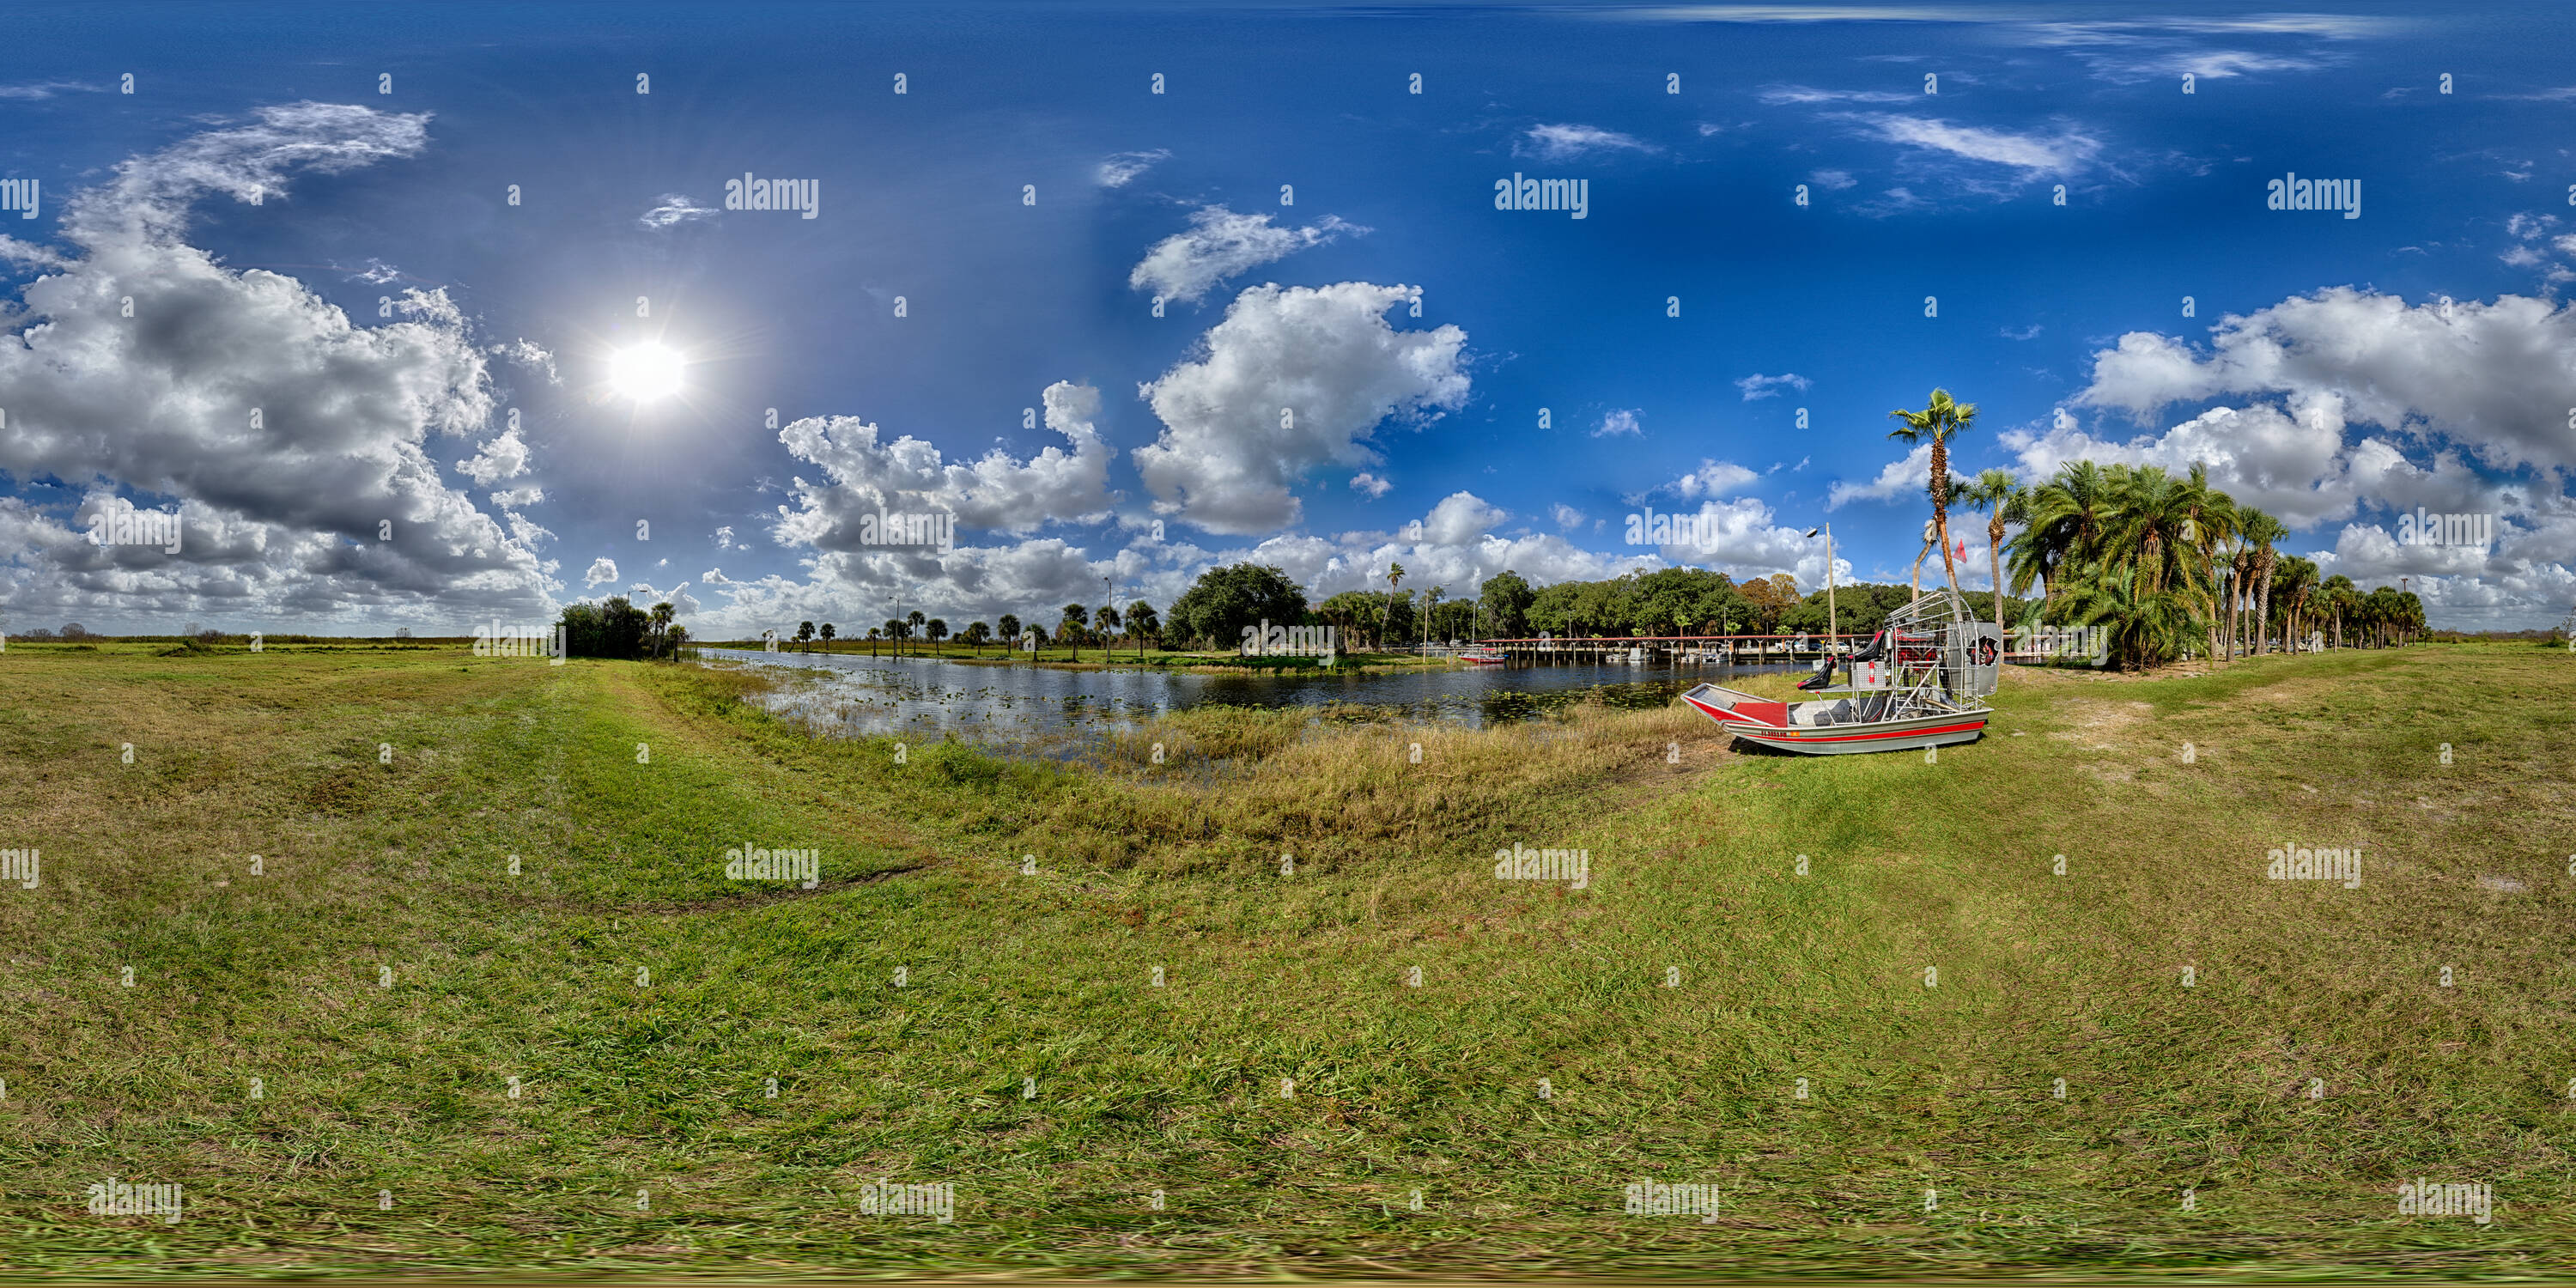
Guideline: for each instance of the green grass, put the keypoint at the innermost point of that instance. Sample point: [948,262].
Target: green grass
[662,1086]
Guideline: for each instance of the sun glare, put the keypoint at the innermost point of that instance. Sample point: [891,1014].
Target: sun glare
[645,372]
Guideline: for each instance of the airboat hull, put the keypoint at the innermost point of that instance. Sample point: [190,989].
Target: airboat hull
[1812,728]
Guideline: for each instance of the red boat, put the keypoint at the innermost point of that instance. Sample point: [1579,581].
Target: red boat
[1918,684]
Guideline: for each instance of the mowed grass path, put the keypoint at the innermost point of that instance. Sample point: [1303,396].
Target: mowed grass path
[1287,1088]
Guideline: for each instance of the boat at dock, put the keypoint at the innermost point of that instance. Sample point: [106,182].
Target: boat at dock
[1920,683]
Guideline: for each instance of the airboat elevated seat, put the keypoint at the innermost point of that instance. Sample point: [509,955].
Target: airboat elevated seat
[1919,684]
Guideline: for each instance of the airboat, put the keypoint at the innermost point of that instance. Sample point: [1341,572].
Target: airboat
[1482,656]
[1920,682]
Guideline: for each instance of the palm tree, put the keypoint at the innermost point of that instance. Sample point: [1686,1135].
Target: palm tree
[1394,578]
[2068,516]
[2262,530]
[2338,596]
[2146,625]
[935,630]
[1431,611]
[804,631]
[1010,625]
[827,637]
[662,615]
[1106,618]
[2003,500]
[1142,622]
[1940,421]
[1070,629]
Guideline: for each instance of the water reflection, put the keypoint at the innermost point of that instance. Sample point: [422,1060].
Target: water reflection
[1049,711]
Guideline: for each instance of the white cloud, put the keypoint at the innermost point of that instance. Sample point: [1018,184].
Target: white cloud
[1832,180]
[1762,386]
[284,517]
[2065,152]
[1568,142]
[1567,518]
[1220,244]
[1911,476]
[2491,376]
[1370,485]
[1783,95]
[602,571]
[1120,167]
[505,457]
[995,492]
[1711,479]
[1226,457]
[724,540]
[676,209]
[1617,423]
[36,90]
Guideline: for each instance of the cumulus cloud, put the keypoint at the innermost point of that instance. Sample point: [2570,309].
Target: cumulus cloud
[2465,401]
[505,457]
[1291,379]
[674,210]
[1370,485]
[295,440]
[1119,168]
[1711,479]
[996,492]
[2492,376]
[1567,517]
[1832,180]
[1762,386]
[1618,423]
[1220,244]
[602,571]
[1568,142]
[1900,478]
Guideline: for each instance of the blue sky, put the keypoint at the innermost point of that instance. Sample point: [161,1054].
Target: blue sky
[385,309]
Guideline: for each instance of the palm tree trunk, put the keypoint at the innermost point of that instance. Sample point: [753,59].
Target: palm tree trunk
[1918,570]
[1995,568]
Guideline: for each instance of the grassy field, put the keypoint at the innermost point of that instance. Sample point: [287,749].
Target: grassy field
[969,997]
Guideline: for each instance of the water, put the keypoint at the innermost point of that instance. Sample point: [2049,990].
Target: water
[1023,708]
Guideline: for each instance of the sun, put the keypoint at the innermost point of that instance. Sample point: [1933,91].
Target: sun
[645,372]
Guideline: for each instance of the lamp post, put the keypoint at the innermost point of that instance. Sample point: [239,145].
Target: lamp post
[1828,530]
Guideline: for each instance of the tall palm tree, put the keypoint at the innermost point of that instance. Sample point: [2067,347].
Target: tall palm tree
[2003,500]
[827,633]
[2068,517]
[1431,611]
[2262,530]
[1940,421]
[1106,618]
[1394,578]
[663,613]
[1142,622]
[2338,596]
